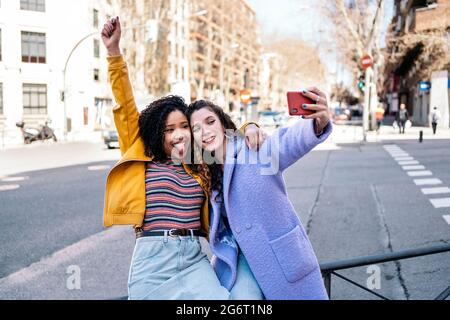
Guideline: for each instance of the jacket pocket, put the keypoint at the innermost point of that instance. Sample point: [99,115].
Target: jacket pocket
[295,254]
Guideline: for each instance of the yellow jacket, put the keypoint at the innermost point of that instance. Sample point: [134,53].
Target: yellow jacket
[125,199]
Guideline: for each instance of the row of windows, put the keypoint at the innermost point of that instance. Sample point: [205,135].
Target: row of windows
[32,5]
[33,43]
[34,98]
[34,47]
[39,5]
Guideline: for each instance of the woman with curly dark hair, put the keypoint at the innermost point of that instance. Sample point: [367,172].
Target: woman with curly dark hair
[153,188]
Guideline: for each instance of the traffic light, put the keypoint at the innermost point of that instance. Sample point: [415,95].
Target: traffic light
[361,82]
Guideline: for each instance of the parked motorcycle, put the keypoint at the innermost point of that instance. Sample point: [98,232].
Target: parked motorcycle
[33,134]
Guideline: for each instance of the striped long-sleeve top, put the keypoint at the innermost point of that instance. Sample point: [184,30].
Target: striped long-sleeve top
[173,197]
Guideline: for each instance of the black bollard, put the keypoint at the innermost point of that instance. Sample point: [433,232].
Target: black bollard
[420,136]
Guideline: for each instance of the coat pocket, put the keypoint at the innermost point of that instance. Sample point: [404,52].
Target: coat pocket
[295,254]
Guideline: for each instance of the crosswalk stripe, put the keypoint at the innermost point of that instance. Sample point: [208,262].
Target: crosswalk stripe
[420,173]
[413,167]
[9,187]
[405,163]
[400,154]
[424,182]
[440,203]
[447,218]
[436,190]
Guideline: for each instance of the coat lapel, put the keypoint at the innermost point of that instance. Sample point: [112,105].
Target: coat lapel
[233,147]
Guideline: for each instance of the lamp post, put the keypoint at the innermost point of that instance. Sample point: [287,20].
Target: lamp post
[66,64]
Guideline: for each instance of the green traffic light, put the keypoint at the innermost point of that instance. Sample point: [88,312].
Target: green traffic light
[361,84]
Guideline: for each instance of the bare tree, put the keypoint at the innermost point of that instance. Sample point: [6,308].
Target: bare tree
[356,31]
[148,67]
[300,64]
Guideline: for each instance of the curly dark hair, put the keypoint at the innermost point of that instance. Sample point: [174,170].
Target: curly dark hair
[152,123]
[215,169]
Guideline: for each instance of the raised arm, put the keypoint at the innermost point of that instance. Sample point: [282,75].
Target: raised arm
[126,115]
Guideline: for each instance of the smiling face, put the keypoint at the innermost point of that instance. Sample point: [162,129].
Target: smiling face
[177,135]
[208,131]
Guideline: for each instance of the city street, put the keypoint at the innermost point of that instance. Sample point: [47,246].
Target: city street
[354,199]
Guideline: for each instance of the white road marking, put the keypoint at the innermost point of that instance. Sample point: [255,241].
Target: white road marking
[65,255]
[14,179]
[436,190]
[420,173]
[447,218]
[440,203]
[404,159]
[400,154]
[424,182]
[413,167]
[98,168]
[9,187]
[406,163]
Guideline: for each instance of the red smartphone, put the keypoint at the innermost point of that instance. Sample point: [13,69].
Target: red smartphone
[295,103]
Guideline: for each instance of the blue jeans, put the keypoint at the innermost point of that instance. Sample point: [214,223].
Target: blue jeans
[246,287]
[175,268]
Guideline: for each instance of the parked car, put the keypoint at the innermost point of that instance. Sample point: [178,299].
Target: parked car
[111,138]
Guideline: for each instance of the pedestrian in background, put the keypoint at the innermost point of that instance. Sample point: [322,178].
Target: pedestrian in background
[379,116]
[435,116]
[402,117]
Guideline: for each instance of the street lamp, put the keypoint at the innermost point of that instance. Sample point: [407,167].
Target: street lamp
[64,91]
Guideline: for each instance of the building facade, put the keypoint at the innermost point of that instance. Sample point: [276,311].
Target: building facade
[199,49]
[43,36]
[418,59]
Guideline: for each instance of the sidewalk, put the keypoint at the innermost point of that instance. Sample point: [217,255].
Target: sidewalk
[354,134]
[48,155]
[14,140]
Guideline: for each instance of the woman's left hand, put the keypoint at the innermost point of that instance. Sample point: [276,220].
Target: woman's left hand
[322,113]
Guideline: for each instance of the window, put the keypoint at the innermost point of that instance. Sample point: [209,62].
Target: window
[32,5]
[95,18]
[96,74]
[96,48]
[33,47]
[1,98]
[34,98]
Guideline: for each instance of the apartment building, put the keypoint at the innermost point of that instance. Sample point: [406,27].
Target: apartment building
[418,59]
[42,37]
[199,49]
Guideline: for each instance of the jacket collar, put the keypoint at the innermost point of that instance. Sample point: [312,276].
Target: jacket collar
[234,146]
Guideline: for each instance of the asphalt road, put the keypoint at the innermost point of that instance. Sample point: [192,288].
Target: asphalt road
[354,200]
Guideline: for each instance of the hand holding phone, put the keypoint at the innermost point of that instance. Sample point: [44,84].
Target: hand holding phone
[296,100]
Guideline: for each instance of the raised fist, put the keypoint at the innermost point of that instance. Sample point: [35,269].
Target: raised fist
[111,34]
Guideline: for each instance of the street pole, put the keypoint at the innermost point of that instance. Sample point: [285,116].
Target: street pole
[367,99]
[64,92]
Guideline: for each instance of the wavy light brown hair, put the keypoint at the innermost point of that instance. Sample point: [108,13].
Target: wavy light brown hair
[215,171]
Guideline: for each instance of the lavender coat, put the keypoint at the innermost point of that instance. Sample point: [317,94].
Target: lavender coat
[262,219]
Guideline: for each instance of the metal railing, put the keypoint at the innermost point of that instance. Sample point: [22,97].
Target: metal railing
[329,268]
